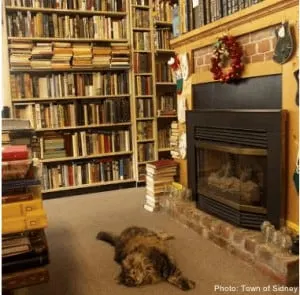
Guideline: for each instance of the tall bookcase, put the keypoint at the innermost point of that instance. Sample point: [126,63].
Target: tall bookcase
[143,85]
[70,75]
[165,87]
[152,81]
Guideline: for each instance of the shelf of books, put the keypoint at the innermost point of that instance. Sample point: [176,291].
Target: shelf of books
[24,244]
[143,86]
[165,87]
[70,76]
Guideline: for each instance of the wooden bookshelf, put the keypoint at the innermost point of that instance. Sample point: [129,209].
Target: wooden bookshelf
[65,98]
[95,156]
[77,99]
[164,83]
[156,19]
[88,185]
[145,136]
[116,14]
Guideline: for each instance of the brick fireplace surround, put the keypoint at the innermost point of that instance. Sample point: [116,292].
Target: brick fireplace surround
[246,244]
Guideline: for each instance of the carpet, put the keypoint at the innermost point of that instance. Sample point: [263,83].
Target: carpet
[82,265]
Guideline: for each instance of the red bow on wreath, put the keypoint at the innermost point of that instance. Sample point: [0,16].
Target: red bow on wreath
[227,48]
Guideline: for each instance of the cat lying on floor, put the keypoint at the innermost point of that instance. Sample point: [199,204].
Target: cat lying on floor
[144,259]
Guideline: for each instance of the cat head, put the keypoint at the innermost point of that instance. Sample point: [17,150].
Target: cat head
[136,270]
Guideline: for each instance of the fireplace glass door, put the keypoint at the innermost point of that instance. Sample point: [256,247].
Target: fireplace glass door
[232,175]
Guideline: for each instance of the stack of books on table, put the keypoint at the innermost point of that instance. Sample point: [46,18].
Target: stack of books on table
[24,244]
[159,175]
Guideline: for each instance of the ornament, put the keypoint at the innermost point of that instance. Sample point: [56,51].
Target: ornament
[227,48]
[174,63]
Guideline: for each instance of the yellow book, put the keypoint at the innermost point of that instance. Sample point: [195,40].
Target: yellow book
[34,220]
[23,208]
[20,209]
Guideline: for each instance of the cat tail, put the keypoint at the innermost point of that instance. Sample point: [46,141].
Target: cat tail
[107,237]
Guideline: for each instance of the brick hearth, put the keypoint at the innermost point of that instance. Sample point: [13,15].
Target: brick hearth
[244,243]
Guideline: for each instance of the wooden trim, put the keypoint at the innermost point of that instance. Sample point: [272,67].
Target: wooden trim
[251,70]
[66,11]
[95,156]
[251,14]
[49,39]
[79,186]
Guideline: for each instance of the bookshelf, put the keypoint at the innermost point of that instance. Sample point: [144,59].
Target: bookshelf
[165,87]
[145,138]
[200,13]
[70,75]
[154,89]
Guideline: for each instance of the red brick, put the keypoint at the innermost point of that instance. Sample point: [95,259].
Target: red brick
[218,240]
[200,61]
[201,51]
[245,39]
[207,59]
[216,227]
[250,49]
[264,46]
[269,55]
[204,68]
[257,57]
[273,43]
[264,254]
[226,230]
[250,245]
[207,221]
[246,59]
[239,235]
[262,34]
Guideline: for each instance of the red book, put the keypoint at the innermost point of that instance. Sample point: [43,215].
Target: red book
[15,152]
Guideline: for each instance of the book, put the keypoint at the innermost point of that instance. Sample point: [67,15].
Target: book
[25,278]
[14,152]
[33,220]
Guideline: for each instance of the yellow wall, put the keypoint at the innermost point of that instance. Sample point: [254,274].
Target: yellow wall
[259,16]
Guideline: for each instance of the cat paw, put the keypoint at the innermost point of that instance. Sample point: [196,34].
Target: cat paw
[187,284]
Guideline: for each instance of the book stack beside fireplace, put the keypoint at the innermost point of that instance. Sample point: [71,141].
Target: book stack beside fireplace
[159,175]
[24,245]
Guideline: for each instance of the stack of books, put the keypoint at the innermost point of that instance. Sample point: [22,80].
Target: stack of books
[41,56]
[174,140]
[20,54]
[62,55]
[159,175]
[82,55]
[101,56]
[120,56]
[24,244]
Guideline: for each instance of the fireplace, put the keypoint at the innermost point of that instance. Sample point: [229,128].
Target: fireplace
[236,164]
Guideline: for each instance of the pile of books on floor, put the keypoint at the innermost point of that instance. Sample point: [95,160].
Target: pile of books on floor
[159,175]
[24,244]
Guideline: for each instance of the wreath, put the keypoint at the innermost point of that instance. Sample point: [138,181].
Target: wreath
[224,49]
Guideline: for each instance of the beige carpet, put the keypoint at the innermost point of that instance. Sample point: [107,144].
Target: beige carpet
[81,265]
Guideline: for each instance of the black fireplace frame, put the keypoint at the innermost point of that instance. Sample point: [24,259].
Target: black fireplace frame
[272,123]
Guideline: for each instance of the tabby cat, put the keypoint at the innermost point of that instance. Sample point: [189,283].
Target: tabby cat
[144,259]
